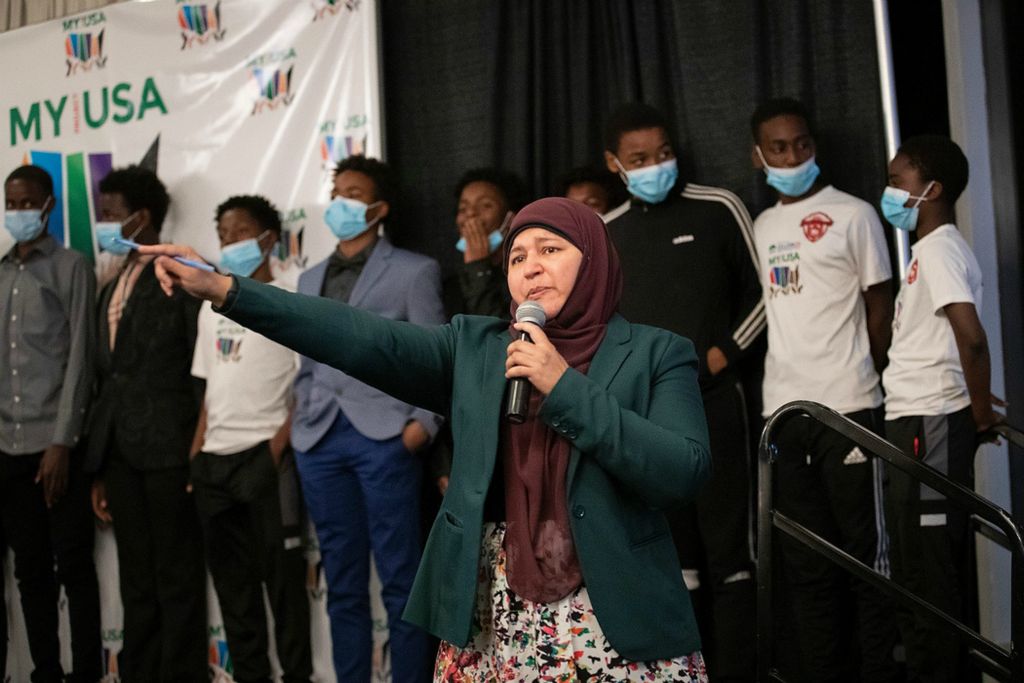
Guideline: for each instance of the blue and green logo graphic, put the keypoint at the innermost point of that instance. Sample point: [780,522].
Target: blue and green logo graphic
[76,186]
[83,50]
[336,145]
[199,23]
[273,75]
[289,247]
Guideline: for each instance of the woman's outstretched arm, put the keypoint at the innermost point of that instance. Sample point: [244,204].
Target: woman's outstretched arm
[409,362]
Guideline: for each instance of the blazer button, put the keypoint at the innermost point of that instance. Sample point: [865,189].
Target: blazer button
[578,512]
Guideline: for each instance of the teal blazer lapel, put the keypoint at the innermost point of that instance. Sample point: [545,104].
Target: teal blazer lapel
[493,390]
[610,356]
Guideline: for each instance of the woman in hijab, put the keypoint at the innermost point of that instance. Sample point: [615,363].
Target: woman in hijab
[550,558]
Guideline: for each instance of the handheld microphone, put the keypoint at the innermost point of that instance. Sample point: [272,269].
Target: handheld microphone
[518,397]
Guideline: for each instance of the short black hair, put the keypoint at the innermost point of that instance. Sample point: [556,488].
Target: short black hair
[779,106]
[260,208]
[599,175]
[511,186]
[938,158]
[385,182]
[141,189]
[36,175]
[629,117]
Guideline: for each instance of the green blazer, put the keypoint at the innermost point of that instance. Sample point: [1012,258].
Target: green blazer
[640,445]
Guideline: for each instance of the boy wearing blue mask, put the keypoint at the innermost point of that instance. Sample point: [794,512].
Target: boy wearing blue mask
[46,352]
[140,431]
[937,397]
[826,276]
[243,471]
[487,199]
[357,448]
[689,266]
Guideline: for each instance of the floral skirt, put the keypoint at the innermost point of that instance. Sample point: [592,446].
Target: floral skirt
[514,639]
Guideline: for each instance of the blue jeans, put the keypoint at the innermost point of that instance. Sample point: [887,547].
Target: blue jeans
[363,495]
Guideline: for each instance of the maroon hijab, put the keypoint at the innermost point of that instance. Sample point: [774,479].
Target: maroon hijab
[541,557]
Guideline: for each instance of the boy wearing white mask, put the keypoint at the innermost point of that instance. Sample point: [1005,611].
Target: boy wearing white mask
[242,469]
[826,278]
[356,447]
[938,397]
[688,265]
[46,352]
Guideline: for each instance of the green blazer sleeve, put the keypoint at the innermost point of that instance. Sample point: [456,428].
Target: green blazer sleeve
[410,362]
[664,457]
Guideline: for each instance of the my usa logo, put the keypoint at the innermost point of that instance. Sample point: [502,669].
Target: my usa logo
[273,74]
[275,88]
[221,667]
[289,247]
[334,149]
[83,51]
[83,42]
[199,23]
[338,140]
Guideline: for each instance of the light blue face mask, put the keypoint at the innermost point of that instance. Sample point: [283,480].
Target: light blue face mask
[24,225]
[892,204]
[651,183]
[107,233]
[243,257]
[493,242]
[347,217]
[792,182]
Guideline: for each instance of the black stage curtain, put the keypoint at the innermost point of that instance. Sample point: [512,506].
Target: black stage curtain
[527,85]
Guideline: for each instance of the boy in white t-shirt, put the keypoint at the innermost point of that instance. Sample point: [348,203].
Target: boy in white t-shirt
[825,275]
[243,470]
[937,397]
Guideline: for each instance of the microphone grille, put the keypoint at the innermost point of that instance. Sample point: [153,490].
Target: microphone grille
[531,312]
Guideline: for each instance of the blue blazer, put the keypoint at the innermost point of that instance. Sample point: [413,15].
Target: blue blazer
[396,284]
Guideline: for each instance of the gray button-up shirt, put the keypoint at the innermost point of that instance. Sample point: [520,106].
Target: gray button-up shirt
[47,332]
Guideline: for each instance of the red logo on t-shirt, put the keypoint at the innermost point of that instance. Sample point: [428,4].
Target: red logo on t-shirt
[816,225]
[912,275]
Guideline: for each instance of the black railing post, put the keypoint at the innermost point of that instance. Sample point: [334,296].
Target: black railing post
[765,639]
[1003,663]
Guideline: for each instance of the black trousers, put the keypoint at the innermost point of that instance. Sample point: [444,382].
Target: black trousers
[827,485]
[248,546]
[162,575]
[73,535]
[716,533]
[3,603]
[39,537]
[931,549]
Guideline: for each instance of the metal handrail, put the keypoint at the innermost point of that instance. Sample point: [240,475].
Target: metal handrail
[998,660]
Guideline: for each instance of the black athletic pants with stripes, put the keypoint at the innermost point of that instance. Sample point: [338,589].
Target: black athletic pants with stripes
[931,552]
[826,484]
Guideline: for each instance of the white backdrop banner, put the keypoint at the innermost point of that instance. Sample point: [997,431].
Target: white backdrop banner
[221,97]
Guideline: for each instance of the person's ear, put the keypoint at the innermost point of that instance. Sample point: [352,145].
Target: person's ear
[755,158]
[48,205]
[935,192]
[382,210]
[145,218]
[609,162]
